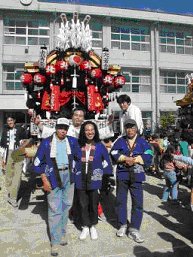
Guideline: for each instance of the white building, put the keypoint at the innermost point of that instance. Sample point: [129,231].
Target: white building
[155,50]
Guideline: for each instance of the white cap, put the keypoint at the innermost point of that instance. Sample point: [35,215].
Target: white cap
[62,121]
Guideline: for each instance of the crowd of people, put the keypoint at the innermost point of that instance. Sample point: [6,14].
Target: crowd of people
[75,165]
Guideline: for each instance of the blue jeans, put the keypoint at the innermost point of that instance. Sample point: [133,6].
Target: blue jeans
[136,192]
[59,203]
[171,185]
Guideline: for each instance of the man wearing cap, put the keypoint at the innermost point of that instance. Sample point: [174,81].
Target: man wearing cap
[54,160]
[131,153]
[131,111]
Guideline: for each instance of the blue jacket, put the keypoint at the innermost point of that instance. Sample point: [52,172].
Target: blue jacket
[141,148]
[100,165]
[44,164]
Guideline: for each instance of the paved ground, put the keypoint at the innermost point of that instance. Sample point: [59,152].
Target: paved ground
[168,229]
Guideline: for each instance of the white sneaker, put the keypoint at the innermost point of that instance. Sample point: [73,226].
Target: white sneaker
[13,202]
[93,233]
[102,217]
[135,235]
[84,233]
[122,231]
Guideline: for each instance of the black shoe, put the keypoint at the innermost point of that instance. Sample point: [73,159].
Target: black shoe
[64,240]
[176,202]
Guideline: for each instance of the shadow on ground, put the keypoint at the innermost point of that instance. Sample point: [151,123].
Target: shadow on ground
[180,249]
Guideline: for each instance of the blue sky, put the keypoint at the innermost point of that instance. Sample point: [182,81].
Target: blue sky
[173,6]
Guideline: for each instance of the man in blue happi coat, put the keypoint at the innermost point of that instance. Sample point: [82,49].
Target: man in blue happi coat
[54,161]
[131,153]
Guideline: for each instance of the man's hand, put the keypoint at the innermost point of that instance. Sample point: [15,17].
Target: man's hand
[46,184]
[129,161]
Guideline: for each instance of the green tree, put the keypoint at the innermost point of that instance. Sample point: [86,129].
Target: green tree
[167,119]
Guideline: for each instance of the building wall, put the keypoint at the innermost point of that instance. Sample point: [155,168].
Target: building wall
[154,61]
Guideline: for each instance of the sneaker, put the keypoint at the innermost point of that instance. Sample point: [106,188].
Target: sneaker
[135,235]
[93,233]
[102,217]
[122,231]
[84,233]
[54,250]
[64,240]
[13,202]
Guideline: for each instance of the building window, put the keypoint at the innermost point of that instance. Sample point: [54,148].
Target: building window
[22,32]
[130,38]
[97,35]
[11,78]
[174,41]
[137,81]
[173,82]
[147,119]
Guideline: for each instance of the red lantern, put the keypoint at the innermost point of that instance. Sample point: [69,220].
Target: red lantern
[50,69]
[119,81]
[108,80]
[39,79]
[85,65]
[75,60]
[26,78]
[96,73]
[61,65]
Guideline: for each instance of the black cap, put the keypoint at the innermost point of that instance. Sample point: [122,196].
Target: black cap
[130,122]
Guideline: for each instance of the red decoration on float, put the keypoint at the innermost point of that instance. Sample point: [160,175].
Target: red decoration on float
[50,69]
[75,60]
[61,65]
[85,65]
[94,99]
[108,80]
[66,96]
[26,78]
[45,105]
[39,79]
[96,73]
[119,81]
[54,98]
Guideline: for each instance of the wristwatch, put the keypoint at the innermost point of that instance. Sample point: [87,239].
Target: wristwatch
[26,2]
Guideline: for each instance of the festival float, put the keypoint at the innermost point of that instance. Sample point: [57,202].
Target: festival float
[185,111]
[72,75]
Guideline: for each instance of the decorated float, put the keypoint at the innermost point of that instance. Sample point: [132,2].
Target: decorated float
[185,111]
[72,75]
